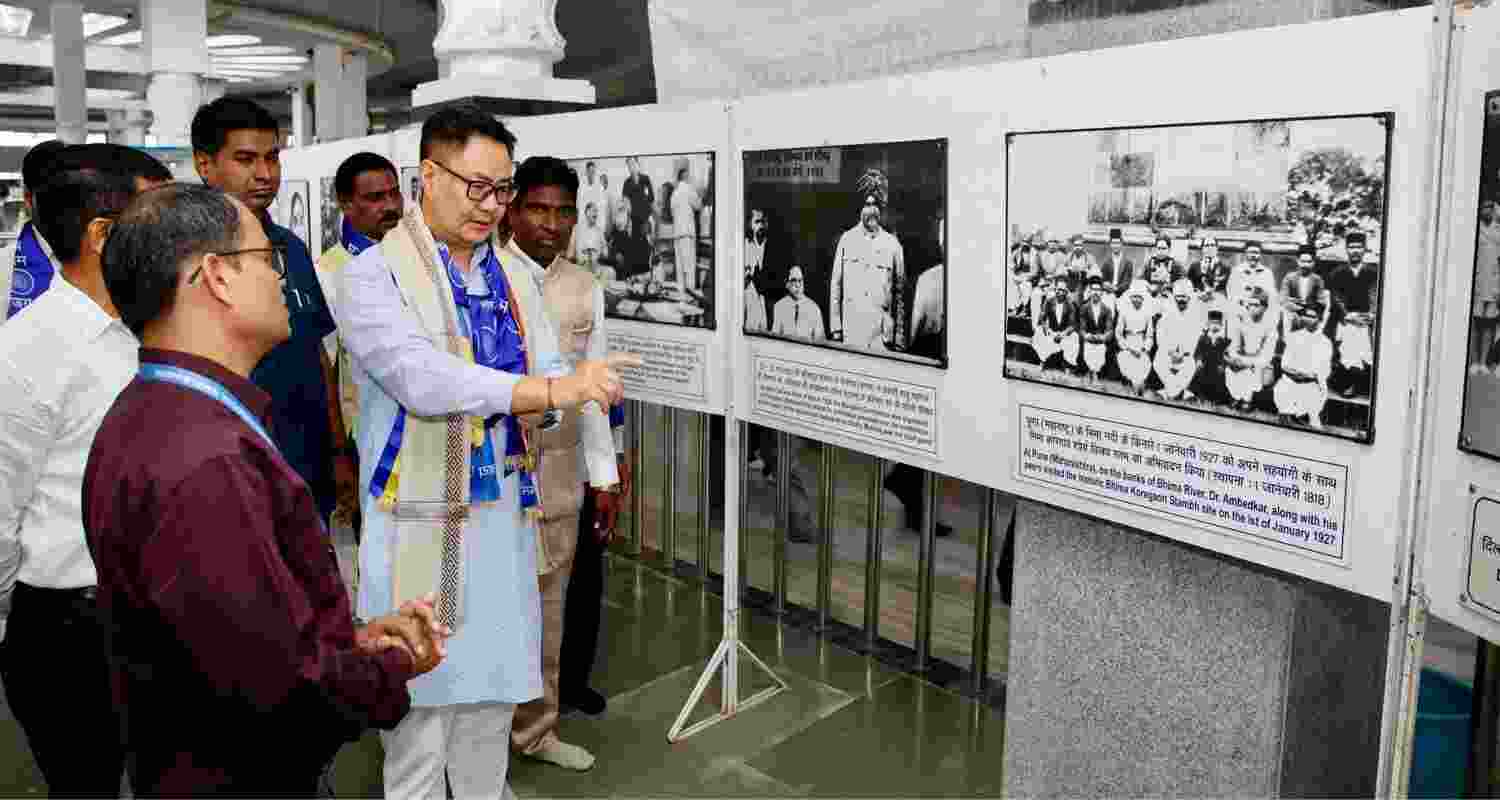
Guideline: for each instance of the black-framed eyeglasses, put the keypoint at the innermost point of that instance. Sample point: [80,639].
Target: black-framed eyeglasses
[278,259]
[478,190]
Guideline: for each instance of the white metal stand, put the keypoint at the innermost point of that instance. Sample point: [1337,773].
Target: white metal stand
[727,656]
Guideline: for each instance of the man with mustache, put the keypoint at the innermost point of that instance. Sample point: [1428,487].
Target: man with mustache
[369,192]
[237,149]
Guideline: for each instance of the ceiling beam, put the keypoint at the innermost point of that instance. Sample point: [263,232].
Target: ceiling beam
[96,58]
[45,97]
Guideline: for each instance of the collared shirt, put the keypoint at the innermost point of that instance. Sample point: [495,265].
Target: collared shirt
[232,641]
[62,363]
[292,373]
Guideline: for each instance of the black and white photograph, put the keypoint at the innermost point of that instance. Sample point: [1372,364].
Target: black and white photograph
[1231,268]
[411,185]
[845,248]
[646,228]
[290,208]
[1480,433]
[330,215]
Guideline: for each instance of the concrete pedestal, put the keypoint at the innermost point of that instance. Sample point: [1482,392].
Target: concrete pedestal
[1142,667]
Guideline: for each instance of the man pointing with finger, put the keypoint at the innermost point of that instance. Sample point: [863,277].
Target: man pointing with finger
[450,346]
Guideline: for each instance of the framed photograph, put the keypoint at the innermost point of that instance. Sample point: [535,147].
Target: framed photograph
[411,185]
[1230,268]
[331,216]
[646,228]
[845,248]
[1480,431]
[290,209]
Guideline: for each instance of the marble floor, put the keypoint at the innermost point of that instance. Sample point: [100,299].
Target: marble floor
[846,725]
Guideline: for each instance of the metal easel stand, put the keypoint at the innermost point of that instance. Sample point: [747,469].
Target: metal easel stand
[727,656]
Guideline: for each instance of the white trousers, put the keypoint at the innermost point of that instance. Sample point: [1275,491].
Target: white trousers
[685,256]
[471,743]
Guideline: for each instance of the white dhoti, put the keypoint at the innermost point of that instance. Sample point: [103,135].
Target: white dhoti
[1297,398]
[1355,349]
[1242,383]
[1048,346]
[1174,375]
[686,257]
[1093,355]
[1134,366]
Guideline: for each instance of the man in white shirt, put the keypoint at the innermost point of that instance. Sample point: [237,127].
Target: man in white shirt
[867,287]
[686,203]
[1177,336]
[1306,361]
[796,315]
[592,192]
[62,363]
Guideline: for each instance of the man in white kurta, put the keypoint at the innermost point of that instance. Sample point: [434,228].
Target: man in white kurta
[1134,327]
[686,203]
[459,724]
[868,278]
[1177,335]
[1252,345]
[1302,390]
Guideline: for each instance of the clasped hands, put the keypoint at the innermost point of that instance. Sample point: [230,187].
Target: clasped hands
[414,629]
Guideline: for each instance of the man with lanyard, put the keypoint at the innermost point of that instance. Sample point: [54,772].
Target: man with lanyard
[27,265]
[237,148]
[61,365]
[450,345]
[577,457]
[234,658]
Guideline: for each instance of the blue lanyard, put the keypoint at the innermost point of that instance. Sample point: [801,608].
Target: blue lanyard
[187,379]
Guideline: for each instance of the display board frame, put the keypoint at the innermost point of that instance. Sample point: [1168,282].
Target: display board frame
[975,428]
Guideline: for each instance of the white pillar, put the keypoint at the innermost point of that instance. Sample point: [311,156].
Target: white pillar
[301,132]
[499,49]
[128,127]
[340,97]
[175,34]
[69,81]
[212,89]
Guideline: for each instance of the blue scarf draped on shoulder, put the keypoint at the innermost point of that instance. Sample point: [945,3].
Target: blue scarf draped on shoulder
[34,271]
[491,327]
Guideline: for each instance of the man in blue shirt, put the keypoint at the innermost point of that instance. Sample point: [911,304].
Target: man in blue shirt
[237,148]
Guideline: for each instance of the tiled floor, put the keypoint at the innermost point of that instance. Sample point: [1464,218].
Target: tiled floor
[845,726]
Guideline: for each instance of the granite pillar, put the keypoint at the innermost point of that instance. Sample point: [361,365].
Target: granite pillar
[1143,667]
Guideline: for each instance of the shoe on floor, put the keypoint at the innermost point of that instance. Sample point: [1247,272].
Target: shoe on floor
[567,756]
[584,699]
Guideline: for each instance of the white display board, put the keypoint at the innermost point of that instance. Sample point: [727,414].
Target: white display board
[1298,501]
[1462,481]
[683,365]
[317,165]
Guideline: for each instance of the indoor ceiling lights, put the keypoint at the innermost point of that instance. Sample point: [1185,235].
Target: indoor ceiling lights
[231,40]
[124,39]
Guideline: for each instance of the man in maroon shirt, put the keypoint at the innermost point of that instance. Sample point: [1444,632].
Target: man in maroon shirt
[236,665]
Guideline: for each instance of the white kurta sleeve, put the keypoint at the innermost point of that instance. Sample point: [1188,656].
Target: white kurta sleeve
[386,340]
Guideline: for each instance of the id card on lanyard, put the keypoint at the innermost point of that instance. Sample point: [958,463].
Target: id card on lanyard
[204,385]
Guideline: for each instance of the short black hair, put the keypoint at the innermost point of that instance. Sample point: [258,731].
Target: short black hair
[157,233]
[457,123]
[85,182]
[214,121]
[356,165]
[36,164]
[544,171]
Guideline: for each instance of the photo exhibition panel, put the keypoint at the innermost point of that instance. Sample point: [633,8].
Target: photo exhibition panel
[1042,287]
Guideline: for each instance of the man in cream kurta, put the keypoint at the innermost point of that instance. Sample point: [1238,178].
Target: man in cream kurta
[580,450]
[397,317]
